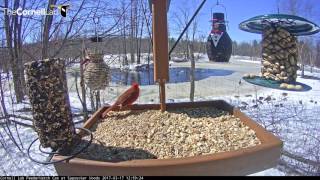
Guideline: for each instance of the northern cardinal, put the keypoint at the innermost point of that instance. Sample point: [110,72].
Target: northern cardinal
[125,99]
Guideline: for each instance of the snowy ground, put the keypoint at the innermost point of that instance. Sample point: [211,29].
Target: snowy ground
[293,116]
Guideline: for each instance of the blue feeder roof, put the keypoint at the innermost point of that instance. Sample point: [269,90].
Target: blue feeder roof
[296,25]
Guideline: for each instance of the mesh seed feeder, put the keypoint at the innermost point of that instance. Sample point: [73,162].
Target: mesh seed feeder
[96,72]
[52,118]
[279,48]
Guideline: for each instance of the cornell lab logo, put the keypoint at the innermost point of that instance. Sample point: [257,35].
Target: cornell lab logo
[62,9]
[39,12]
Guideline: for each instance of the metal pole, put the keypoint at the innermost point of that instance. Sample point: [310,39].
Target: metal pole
[185,29]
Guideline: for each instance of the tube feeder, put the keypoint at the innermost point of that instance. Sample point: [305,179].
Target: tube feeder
[279,49]
[52,118]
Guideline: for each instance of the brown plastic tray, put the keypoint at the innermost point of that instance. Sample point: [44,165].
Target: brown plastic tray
[240,162]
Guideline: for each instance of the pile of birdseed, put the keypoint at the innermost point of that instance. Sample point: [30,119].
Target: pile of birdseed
[151,134]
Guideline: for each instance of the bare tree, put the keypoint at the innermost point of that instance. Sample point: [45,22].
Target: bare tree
[12,26]
[46,30]
[307,9]
[123,34]
[2,100]
[182,18]
[133,25]
[317,61]
[192,60]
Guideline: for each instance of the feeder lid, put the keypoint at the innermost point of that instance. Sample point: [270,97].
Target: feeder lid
[218,17]
[296,25]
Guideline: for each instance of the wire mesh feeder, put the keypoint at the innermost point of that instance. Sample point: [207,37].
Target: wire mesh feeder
[52,117]
[279,55]
[96,72]
[279,48]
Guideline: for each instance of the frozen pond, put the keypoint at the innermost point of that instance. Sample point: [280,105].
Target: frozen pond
[144,76]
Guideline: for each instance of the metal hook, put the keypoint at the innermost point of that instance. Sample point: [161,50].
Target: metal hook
[225,12]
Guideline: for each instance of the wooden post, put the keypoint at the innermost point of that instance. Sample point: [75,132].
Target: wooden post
[160,47]
[162,95]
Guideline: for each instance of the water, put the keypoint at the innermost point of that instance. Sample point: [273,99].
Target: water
[144,76]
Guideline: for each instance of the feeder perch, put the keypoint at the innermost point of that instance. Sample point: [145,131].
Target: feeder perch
[96,72]
[279,47]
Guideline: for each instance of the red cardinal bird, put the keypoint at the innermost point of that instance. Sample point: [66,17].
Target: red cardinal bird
[125,99]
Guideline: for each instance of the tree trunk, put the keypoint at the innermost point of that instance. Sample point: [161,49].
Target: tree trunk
[192,71]
[18,49]
[3,105]
[132,31]
[125,58]
[92,101]
[17,69]
[139,43]
[83,88]
[98,101]
[317,60]
[46,31]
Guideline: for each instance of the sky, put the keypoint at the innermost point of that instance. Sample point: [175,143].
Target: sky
[237,12]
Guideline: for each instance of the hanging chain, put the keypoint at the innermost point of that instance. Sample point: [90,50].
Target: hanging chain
[96,21]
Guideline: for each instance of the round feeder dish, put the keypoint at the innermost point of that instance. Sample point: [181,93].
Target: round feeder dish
[295,25]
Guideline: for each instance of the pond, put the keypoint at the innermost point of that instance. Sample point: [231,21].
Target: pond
[144,76]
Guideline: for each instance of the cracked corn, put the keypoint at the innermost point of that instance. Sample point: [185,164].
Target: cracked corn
[129,135]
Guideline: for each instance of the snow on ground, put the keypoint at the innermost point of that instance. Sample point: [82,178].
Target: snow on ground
[250,61]
[293,116]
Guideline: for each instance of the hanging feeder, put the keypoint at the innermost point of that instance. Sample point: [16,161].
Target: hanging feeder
[279,48]
[96,72]
[52,119]
[219,43]
[242,161]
